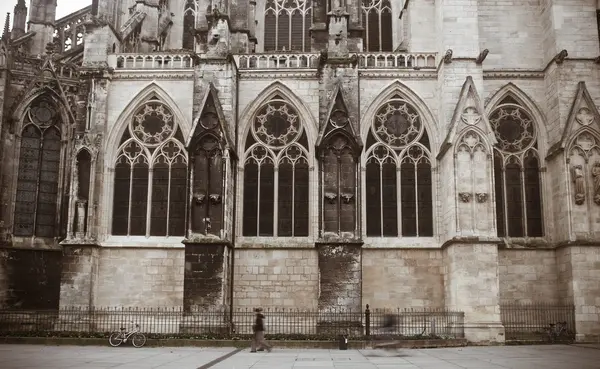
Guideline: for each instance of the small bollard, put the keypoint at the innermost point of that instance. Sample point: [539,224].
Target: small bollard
[343,342]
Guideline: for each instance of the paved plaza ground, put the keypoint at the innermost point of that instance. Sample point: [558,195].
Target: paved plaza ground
[505,357]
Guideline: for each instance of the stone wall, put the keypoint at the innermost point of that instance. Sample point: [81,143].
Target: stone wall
[579,273]
[140,277]
[273,278]
[339,277]
[79,275]
[30,279]
[523,28]
[205,278]
[402,278]
[471,286]
[528,276]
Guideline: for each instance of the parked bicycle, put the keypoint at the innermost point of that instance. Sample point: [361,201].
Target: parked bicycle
[556,331]
[138,339]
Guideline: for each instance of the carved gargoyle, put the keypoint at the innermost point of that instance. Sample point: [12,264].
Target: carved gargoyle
[346,197]
[199,197]
[215,198]
[560,57]
[330,197]
[448,56]
[482,55]
[465,196]
[481,197]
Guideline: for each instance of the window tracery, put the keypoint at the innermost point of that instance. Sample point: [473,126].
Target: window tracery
[338,160]
[287,25]
[276,171]
[377,21]
[516,171]
[37,198]
[150,175]
[398,173]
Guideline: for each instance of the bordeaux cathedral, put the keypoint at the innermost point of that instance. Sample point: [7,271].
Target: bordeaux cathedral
[306,154]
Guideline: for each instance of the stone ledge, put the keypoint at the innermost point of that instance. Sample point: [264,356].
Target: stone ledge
[174,342]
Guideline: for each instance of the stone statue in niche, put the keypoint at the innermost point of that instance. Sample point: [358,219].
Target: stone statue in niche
[596,177]
[579,188]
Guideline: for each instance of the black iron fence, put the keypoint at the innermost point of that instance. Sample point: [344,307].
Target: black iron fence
[538,322]
[226,324]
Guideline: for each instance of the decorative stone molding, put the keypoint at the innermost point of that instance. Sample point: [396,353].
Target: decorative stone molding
[513,74]
[330,197]
[465,196]
[584,117]
[470,116]
[481,197]
[186,75]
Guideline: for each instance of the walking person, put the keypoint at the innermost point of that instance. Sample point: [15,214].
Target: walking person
[258,340]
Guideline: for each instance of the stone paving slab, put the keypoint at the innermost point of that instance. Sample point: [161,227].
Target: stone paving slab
[499,357]
[95,357]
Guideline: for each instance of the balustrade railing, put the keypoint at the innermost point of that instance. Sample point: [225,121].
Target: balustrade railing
[396,60]
[151,61]
[277,61]
[311,61]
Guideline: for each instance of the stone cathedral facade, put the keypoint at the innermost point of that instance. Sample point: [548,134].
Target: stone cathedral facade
[303,154]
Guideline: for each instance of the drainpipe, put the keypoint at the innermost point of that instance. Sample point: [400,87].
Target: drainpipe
[234,172]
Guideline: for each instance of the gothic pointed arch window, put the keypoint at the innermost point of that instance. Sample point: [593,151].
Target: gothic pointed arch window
[516,171]
[208,173]
[150,175]
[338,166]
[276,171]
[190,12]
[287,25]
[37,196]
[399,200]
[377,21]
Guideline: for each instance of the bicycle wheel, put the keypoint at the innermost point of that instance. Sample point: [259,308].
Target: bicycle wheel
[138,340]
[115,339]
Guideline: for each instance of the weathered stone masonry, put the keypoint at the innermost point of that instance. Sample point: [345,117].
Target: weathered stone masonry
[449,163]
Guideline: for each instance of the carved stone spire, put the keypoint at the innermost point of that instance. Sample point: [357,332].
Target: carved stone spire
[6,32]
[20,17]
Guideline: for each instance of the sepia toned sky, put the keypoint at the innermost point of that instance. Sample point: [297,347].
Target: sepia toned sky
[65,7]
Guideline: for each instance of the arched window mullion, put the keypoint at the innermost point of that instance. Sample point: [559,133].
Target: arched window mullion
[276,199]
[169,200]
[399,195]
[524,202]
[416,200]
[131,165]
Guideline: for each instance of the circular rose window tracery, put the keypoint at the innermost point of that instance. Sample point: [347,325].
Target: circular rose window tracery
[42,113]
[277,124]
[397,124]
[153,123]
[513,127]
